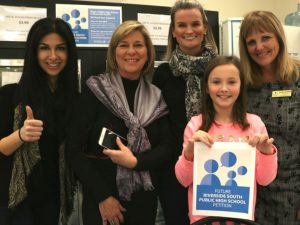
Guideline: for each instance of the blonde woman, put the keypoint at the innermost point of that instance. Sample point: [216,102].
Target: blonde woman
[119,184]
[190,47]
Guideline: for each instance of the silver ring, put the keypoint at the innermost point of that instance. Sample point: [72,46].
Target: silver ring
[111,222]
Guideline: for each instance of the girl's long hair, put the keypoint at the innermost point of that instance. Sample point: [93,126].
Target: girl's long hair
[239,109]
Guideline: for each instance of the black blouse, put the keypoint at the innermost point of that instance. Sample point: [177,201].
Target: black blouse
[43,182]
[96,172]
[173,90]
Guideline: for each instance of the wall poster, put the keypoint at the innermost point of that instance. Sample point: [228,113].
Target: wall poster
[92,26]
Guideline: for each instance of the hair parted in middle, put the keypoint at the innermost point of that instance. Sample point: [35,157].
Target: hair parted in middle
[239,109]
[209,40]
[33,83]
[122,31]
[285,66]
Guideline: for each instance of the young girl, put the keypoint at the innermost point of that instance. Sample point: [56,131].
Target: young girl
[223,117]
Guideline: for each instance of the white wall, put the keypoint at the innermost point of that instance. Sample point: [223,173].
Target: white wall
[285,7]
[228,8]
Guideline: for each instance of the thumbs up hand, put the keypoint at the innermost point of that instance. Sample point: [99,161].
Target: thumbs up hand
[32,128]
[29,113]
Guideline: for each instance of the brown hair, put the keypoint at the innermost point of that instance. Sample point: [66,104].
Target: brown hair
[286,67]
[209,40]
[119,34]
[240,106]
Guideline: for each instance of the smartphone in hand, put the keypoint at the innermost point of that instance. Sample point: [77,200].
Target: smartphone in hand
[108,138]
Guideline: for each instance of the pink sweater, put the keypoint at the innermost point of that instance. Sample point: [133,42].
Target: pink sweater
[266,165]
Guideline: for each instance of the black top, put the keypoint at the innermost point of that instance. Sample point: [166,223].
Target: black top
[96,172]
[173,90]
[6,128]
[43,182]
[130,87]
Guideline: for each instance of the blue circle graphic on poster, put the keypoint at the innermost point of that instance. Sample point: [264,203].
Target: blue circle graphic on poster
[211,166]
[66,17]
[228,159]
[231,183]
[242,170]
[231,174]
[75,13]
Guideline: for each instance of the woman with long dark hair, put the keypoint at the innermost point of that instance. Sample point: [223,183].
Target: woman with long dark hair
[35,184]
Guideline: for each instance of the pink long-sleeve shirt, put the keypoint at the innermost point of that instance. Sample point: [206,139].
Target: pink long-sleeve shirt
[266,165]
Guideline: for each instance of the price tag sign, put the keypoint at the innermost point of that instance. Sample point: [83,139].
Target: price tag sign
[17,21]
[157,25]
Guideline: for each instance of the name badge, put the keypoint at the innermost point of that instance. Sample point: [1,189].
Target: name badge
[281,93]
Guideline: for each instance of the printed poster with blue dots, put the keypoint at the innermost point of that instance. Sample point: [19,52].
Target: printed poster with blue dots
[224,178]
[92,26]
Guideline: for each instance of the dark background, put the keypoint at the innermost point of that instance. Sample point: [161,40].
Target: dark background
[93,58]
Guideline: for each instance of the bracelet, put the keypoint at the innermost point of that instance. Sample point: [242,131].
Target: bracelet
[20,136]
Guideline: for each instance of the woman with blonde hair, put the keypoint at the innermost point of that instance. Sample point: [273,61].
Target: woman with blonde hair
[274,94]
[190,47]
[119,182]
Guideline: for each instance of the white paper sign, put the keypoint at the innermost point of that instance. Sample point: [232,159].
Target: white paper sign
[10,77]
[158,27]
[224,177]
[15,22]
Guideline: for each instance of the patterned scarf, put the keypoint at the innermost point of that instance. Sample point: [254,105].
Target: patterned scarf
[191,68]
[25,159]
[148,106]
